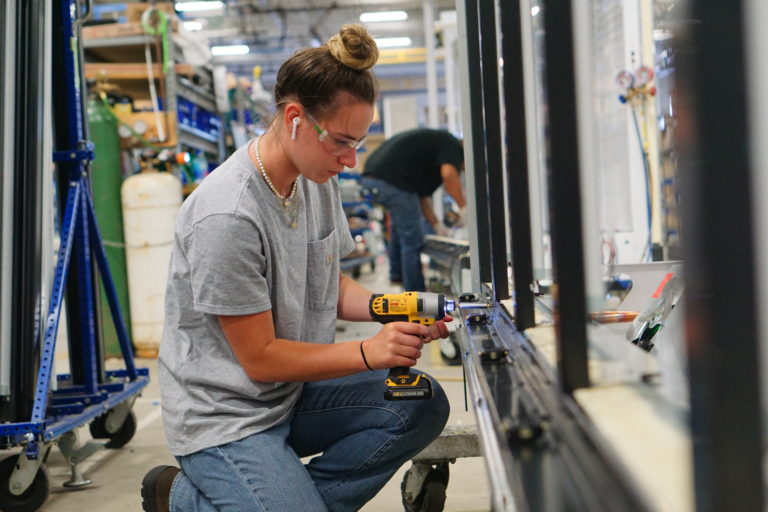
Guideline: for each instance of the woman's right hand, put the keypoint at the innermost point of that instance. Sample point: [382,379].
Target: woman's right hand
[396,344]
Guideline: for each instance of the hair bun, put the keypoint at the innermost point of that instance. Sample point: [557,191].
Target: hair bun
[354,47]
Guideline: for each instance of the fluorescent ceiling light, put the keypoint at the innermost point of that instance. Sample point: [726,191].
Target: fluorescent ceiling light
[192,25]
[210,5]
[372,17]
[235,49]
[392,42]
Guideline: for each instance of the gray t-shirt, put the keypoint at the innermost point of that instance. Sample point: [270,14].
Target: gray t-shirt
[234,254]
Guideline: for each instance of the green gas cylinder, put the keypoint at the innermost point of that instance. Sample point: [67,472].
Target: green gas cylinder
[106,180]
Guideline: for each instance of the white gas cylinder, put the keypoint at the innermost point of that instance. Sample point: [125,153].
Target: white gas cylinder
[151,201]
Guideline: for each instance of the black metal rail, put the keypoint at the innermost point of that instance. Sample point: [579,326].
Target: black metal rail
[540,448]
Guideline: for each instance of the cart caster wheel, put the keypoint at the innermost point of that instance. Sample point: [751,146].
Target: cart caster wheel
[431,497]
[450,352]
[117,439]
[31,499]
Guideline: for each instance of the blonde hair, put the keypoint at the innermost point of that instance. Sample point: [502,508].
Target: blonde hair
[353,47]
[315,76]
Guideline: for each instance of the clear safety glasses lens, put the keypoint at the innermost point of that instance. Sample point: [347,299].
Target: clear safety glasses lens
[334,145]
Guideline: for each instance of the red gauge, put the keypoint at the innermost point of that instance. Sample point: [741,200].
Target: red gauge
[643,75]
[625,80]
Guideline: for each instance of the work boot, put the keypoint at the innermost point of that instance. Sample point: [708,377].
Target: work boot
[156,488]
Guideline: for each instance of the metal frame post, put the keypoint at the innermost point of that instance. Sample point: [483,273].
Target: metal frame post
[518,196]
[719,251]
[565,206]
[494,162]
[474,143]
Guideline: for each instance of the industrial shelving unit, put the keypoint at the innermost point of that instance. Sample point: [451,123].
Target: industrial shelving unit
[188,101]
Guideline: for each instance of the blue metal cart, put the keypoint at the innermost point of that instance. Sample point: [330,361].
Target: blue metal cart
[360,205]
[88,394]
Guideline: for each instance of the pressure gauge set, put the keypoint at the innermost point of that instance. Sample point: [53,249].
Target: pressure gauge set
[635,83]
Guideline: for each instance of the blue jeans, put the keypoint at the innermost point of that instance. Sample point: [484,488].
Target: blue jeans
[407,237]
[361,440]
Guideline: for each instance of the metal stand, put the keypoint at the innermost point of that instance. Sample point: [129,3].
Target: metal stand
[68,446]
[424,484]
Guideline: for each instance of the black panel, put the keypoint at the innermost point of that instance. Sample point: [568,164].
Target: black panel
[29,162]
[4,69]
[719,253]
[478,142]
[564,197]
[518,198]
[495,173]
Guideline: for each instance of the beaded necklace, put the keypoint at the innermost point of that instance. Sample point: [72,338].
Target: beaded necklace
[289,204]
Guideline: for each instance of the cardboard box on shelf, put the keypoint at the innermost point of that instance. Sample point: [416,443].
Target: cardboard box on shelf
[132,28]
[136,9]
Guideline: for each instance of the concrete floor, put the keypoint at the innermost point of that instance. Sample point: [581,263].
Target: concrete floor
[117,474]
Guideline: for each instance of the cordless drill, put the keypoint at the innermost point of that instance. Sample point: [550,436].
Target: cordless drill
[415,307]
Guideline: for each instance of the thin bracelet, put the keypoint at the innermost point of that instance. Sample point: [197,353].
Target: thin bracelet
[363,354]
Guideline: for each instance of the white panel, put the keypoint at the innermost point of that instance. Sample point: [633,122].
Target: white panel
[450,57]
[590,175]
[49,211]
[7,116]
[619,159]
[756,12]
[469,165]
[429,44]
[535,116]
[611,115]
[400,114]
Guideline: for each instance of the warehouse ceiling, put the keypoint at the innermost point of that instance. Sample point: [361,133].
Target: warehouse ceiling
[274,29]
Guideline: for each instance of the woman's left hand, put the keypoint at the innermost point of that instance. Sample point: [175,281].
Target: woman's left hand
[439,329]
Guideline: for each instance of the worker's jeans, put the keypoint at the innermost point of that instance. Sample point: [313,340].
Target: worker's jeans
[362,440]
[407,236]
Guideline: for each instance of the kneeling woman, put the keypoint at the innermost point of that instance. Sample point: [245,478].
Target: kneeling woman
[250,376]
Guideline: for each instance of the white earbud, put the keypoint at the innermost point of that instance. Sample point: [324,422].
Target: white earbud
[295,124]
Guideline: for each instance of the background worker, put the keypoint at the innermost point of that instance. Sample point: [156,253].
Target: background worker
[403,173]
[250,378]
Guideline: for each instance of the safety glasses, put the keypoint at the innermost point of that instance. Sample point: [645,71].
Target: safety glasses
[335,145]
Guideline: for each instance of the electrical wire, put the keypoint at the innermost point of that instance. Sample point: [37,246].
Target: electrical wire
[648,253]
[150,71]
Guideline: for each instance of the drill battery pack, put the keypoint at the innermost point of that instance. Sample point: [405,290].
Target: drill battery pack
[417,307]
[401,384]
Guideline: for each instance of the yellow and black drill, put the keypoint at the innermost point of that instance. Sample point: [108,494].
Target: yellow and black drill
[416,307]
